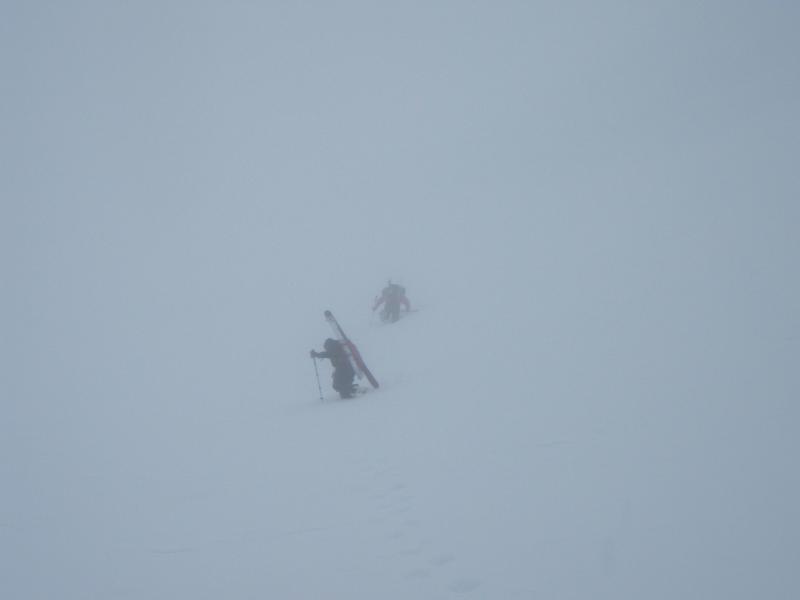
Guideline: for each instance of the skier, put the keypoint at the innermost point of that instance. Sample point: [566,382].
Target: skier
[392,297]
[343,372]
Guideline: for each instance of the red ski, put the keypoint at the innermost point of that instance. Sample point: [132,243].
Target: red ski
[355,356]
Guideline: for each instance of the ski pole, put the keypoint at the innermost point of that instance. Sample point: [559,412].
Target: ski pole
[319,385]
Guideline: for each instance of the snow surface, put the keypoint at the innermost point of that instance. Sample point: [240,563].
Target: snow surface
[593,205]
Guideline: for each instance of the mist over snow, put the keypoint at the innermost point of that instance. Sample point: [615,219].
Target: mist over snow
[593,205]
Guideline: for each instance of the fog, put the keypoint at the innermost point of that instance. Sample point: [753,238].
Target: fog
[593,206]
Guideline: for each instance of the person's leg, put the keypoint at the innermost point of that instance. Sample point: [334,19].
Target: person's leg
[343,382]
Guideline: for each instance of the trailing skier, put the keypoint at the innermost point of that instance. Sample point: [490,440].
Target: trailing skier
[392,297]
[343,371]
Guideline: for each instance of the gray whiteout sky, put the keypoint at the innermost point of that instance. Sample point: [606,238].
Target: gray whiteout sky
[187,185]
[170,163]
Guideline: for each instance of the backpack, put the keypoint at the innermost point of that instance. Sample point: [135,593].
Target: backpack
[395,291]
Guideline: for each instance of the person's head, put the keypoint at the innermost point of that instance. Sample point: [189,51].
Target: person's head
[330,344]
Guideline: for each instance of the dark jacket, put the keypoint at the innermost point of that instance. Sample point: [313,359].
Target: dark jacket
[334,350]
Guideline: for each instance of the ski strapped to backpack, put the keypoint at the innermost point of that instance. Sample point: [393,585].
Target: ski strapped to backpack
[352,352]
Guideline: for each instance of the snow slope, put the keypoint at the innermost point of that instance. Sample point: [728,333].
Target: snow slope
[504,457]
[596,399]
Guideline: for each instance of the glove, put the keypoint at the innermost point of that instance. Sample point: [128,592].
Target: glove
[313,354]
